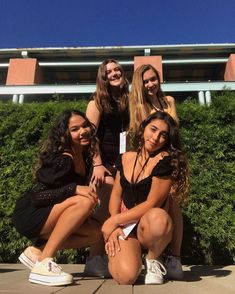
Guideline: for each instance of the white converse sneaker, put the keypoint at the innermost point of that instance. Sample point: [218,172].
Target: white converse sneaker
[174,268]
[28,258]
[154,272]
[97,266]
[47,272]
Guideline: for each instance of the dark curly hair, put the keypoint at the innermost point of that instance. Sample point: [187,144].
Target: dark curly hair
[180,187]
[59,139]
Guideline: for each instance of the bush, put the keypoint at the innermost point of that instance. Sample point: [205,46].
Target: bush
[208,135]
[21,129]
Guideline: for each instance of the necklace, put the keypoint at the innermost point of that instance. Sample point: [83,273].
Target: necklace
[142,169]
[156,108]
[160,104]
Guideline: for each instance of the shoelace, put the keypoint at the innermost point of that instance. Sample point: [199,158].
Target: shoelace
[54,267]
[156,266]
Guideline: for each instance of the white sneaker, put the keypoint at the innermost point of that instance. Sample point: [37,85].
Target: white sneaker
[47,272]
[154,272]
[28,258]
[97,266]
[174,268]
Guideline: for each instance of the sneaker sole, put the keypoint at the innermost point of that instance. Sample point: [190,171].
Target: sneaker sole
[26,261]
[153,283]
[47,280]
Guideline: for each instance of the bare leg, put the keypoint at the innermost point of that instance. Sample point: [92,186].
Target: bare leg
[177,218]
[126,265]
[89,234]
[155,231]
[64,220]
[36,250]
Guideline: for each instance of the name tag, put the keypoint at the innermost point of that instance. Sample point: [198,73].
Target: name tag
[122,144]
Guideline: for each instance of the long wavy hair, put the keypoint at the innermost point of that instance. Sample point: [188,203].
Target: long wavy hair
[180,173]
[139,105]
[103,94]
[59,139]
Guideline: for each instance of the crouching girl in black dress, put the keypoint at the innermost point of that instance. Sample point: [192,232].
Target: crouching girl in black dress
[140,198]
[58,207]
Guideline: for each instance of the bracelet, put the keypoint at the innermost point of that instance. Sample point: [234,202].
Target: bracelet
[97,165]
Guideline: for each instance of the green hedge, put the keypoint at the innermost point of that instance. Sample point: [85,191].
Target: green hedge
[208,134]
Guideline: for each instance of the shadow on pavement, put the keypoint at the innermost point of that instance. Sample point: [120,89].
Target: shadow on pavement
[207,270]
[8,270]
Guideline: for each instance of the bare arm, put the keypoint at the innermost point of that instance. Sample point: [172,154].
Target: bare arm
[172,108]
[159,190]
[99,171]
[93,113]
[116,196]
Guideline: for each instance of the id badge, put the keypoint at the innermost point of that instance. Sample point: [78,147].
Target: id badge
[122,144]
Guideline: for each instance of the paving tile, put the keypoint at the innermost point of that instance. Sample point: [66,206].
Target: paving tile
[197,279]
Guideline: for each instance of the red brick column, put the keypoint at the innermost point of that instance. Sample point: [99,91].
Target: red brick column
[24,72]
[155,61]
[229,74]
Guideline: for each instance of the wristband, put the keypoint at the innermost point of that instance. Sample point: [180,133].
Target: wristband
[97,165]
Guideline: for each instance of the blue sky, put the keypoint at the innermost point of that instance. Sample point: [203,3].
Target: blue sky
[56,23]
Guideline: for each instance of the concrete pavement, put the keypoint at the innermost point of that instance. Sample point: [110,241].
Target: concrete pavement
[198,279]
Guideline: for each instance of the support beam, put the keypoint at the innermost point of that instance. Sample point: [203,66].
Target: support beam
[201,98]
[15,98]
[208,98]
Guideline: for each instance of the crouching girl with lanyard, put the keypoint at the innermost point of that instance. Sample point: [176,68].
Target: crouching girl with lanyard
[139,200]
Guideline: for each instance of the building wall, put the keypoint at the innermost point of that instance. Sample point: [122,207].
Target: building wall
[229,74]
[24,72]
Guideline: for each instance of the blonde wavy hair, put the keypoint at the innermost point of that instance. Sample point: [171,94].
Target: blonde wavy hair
[139,105]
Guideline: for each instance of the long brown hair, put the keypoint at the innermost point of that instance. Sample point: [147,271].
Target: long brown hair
[102,96]
[139,106]
[180,172]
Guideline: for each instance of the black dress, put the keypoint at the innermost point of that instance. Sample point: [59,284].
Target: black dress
[56,181]
[136,193]
[110,126]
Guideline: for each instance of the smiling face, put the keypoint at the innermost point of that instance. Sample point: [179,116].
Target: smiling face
[155,135]
[114,74]
[151,83]
[79,130]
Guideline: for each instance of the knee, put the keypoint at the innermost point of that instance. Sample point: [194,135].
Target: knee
[160,222]
[83,203]
[126,274]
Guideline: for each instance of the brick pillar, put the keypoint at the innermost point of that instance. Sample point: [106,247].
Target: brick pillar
[155,61]
[24,72]
[229,74]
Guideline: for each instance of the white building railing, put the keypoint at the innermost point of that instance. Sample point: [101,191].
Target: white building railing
[19,92]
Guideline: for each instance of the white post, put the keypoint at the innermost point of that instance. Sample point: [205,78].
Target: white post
[201,97]
[15,98]
[208,98]
[21,99]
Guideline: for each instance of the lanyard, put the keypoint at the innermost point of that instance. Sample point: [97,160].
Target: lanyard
[142,168]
